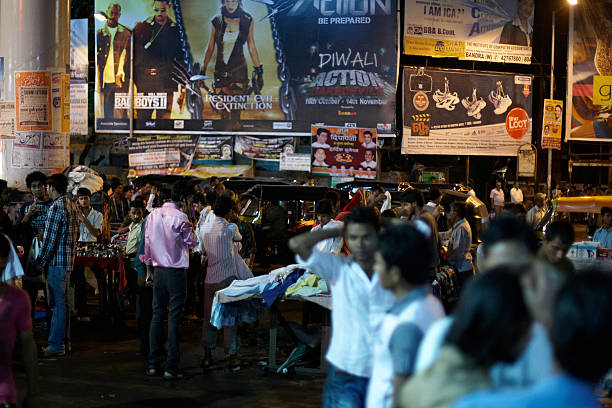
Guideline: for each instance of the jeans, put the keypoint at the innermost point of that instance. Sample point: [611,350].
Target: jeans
[168,290]
[57,286]
[344,390]
[209,332]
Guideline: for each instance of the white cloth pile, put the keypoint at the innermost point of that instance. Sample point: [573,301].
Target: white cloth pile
[84,177]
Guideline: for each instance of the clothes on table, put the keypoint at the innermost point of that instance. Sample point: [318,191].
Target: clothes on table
[276,291]
[309,284]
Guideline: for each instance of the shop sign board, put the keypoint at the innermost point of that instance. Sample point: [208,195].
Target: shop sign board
[344,151]
[483,30]
[276,69]
[589,90]
[452,112]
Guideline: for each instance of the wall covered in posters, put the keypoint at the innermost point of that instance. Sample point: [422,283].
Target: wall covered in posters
[161,154]
[79,66]
[255,66]
[269,149]
[589,91]
[483,30]
[344,151]
[465,113]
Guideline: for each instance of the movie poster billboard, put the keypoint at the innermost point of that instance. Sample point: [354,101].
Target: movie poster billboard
[483,30]
[465,113]
[252,67]
[214,148]
[171,154]
[589,91]
[79,65]
[259,148]
[344,151]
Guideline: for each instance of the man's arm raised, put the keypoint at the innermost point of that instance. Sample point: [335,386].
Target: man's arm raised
[302,244]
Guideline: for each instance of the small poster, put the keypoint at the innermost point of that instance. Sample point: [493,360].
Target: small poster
[7,120]
[214,148]
[527,160]
[294,162]
[78,109]
[27,153]
[552,124]
[168,154]
[344,151]
[259,148]
[33,100]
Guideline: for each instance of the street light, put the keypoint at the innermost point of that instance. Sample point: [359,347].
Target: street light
[572,2]
[102,16]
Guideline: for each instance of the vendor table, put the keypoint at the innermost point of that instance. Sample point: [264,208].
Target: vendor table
[114,281]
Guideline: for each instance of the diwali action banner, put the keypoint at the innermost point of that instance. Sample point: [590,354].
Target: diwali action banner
[161,154]
[213,148]
[465,113]
[259,148]
[589,73]
[255,66]
[483,30]
[344,151]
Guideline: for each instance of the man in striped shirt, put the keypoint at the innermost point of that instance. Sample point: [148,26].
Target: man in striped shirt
[57,255]
[218,246]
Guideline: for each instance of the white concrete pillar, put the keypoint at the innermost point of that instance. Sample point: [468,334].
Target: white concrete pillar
[34,36]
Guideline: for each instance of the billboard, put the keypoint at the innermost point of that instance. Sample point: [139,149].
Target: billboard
[258,148]
[483,30]
[214,148]
[161,154]
[79,64]
[589,95]
[465,113]
[251,67]
[344,151]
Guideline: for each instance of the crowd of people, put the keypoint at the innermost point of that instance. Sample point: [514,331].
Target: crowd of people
[527,330]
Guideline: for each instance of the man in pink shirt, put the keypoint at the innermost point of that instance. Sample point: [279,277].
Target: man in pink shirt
[15,329]
[168,238]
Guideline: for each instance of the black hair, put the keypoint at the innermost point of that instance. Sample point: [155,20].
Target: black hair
[199,198]
[606,210]
[582,325]
[138,204]
[180,191]
[35,176]
[562,230]
[3,185]
[322,130]
[211,197]
[5,246]
[434,194]
[369,150]
[378,189]
[59,182]
[363,215]
[402,242]
[115,182]
[412,196]
[333,197]
[165,194]
[127,188]
[83,192]
[389,213]
[460,208]
[507,228]
[367,132]
[324,206]
[491,318]
[213,178]
[223,205]
[514,210]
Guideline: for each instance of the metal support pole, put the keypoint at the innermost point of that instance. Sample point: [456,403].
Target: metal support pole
[467,171]
[131,91]
[552,90]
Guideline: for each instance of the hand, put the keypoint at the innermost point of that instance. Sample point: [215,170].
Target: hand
[119,78]
[80,216]
[257,81]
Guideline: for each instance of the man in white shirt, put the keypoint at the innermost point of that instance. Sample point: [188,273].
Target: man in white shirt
[322,135]
[90,228]
[516,194]
[370,160]
[358,303]
[112,53]
[324,219]
[367,140]
[497,198]
[535,215]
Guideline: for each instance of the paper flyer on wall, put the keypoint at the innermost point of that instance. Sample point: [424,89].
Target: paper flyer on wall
[40,150]
[552,123]
[253,67]
[484,30]
[294,162]
[465,113]
[7,120]
[214,148]
[259,148]
[589,73]
[79,65]
[344,151]
[161,154]
[33,100]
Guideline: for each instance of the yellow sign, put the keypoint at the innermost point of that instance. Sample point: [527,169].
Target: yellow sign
[602,90]
[552,124]
[433,47]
